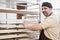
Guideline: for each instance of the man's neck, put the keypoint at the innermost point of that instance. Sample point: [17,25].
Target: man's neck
[49,14]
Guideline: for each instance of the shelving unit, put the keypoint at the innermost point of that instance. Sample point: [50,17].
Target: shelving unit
[16,31]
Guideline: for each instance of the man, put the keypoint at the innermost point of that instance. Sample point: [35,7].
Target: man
[49,27]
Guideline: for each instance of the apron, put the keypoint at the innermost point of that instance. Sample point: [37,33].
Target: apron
[43,37]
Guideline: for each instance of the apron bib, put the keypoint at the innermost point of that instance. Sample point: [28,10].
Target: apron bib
[43,37]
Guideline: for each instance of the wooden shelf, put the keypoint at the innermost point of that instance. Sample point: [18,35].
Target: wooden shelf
[13,31]
[9,10]
[13,36]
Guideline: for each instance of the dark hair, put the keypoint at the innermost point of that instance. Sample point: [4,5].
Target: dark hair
[47,4]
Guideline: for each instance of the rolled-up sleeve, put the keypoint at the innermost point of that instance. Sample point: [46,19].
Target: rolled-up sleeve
[47,23]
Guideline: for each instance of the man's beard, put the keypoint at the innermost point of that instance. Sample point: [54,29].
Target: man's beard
[45,14]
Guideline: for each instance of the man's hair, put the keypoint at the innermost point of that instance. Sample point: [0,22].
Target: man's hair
[47,4]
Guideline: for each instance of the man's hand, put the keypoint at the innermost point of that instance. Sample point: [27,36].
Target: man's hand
[28,25]
[25,23]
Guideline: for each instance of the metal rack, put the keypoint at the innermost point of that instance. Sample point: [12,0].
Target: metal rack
[15,31]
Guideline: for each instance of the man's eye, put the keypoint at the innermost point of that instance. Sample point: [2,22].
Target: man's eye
[42,8]
[45,8]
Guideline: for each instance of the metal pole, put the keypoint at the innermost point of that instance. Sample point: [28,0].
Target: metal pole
[39,10]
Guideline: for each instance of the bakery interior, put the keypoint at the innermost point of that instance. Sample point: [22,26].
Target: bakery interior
[14,12]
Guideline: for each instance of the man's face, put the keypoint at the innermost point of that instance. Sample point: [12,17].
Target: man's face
[46,10]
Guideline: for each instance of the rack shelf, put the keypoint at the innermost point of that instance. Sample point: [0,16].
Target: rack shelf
[9,10]
[13,36]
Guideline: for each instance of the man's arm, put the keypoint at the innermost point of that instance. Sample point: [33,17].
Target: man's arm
[32,27]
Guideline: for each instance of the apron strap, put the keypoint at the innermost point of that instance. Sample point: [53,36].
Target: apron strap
[43,37]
